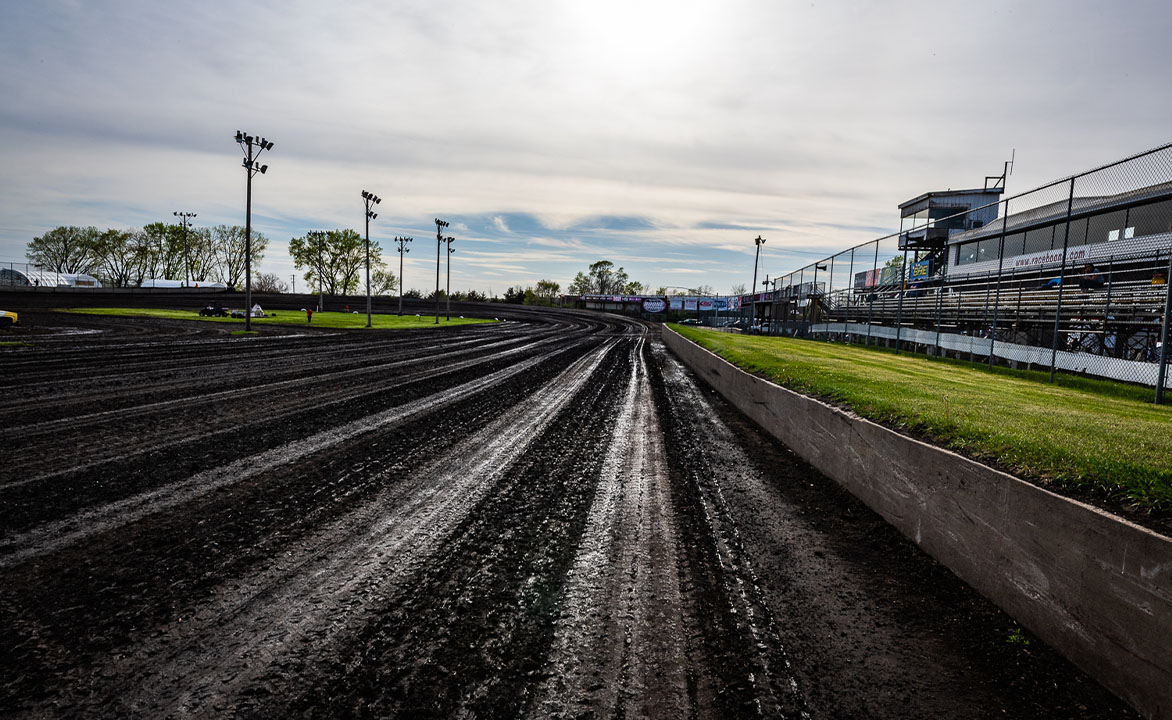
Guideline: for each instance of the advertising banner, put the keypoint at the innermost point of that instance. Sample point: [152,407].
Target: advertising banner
[706,304]
[677,303]
[654,305]
[922,270]
[689,303]
[720,303]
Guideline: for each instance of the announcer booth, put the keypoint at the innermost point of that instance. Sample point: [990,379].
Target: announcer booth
[648,307]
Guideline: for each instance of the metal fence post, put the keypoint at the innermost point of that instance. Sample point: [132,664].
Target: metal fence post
[1107,305]
[899,308]
[1164,334]
[1061,276]
[984,320]
[850,292]
[939,312]
[1000,272]
[870,302]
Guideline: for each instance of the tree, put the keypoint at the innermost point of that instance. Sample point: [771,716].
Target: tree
[228,250]
[515,296]
[122,258]
[66,250]
[703,290]
[545,292]
[337,258]
[737,289]
[604,279]
[414,294]
[382,282]
[581,285]
[268,283]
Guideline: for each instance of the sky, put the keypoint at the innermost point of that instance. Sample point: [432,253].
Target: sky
[662,136]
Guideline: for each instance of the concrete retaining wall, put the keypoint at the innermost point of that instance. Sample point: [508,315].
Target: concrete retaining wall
[1095,587]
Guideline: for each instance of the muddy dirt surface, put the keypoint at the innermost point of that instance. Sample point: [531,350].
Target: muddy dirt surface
[544,517]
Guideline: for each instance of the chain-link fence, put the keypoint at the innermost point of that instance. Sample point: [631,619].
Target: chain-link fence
[17,274]
[1072,276]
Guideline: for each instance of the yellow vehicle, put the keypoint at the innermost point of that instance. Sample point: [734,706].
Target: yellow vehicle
[8,319]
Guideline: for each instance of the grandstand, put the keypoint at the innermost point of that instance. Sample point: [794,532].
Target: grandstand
[1071,276]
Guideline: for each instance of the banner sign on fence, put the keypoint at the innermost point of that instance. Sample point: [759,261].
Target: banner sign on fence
[922,270]
[689,303]
[677,303]
[1047,257]
[866,279]
[654,305]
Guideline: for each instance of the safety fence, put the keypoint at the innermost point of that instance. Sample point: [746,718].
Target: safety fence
[1070,276]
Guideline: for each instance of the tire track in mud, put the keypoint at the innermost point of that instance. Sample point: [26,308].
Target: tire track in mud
[621,647]
[741,637]
[302,601]
[67,610]
[52,401]
[468,634]
[52,536]
[343,386]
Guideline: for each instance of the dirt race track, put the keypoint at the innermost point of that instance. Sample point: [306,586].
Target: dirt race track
[545,517]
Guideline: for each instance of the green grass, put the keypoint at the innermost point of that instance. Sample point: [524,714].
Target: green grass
[14,343]
[293,317]
[1093,435]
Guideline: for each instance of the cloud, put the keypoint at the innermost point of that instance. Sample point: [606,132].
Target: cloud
[672,149]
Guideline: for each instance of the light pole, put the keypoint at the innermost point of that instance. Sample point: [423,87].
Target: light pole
[759,241]
[402,241]
[185,221]
[319,237]
[448,290]
[439,240]
[369,198]
[251,167]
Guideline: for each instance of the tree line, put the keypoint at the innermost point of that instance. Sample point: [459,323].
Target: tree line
[125,258]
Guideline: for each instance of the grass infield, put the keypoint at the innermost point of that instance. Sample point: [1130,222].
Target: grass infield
[1086,434]
[294,317]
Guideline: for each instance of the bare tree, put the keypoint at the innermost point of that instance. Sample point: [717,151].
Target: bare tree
[268,283]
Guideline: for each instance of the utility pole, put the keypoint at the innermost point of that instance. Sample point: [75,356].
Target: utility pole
[439,240]
[448,291]
[369,198]
[402,241]
[185,221]
[759,241]
[251,166]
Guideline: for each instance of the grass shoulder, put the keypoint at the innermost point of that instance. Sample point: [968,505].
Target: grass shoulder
[333,320]
[1095,436]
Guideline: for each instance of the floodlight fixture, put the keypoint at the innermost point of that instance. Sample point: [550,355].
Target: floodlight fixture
[185,221]
[402,241]
[252,147]
[367,199]
[448,292]
[439,240]
[758,241]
